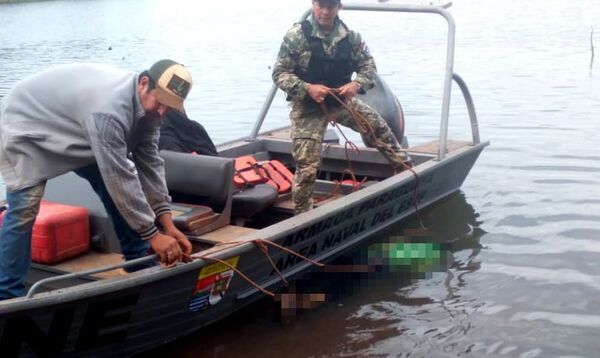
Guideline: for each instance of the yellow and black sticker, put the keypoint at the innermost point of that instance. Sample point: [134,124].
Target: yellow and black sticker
[212,283]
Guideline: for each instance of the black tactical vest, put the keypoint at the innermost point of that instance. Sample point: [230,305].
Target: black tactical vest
[332,71]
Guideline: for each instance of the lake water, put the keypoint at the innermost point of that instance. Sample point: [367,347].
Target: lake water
[524,232]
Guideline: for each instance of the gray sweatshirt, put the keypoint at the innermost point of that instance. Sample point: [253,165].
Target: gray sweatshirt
[71,116]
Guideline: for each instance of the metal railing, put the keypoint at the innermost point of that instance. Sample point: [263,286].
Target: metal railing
[470,107]
[68,276]
[449,75]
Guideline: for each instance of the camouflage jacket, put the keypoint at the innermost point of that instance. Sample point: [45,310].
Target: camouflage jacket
[295,53]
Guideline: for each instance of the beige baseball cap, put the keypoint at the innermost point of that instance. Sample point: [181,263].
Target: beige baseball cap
[173,83]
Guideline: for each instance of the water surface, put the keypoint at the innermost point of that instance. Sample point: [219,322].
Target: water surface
[523,233]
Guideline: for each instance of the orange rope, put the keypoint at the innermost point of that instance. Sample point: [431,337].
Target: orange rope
[356,185]
[265,250]
[363,125]
[331,194]
[366,129]
[347,143]
[290,251]
[260,243]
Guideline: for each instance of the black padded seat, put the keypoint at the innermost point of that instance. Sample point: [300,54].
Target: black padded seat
[250,201]
[206,179]
[201,180]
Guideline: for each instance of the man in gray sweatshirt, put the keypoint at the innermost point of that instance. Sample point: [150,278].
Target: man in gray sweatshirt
[102,123]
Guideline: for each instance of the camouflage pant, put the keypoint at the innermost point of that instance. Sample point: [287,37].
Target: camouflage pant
[308,127]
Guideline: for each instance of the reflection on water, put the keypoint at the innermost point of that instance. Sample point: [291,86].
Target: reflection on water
[523,238]
[416,316]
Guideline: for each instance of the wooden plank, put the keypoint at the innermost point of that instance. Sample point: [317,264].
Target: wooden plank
[284,205]
[433,147]
[279,134]
[327,199]
[319,200]
[93,260]
[225,234]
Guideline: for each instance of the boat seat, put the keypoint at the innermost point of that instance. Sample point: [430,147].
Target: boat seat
[201,180]
[250,201]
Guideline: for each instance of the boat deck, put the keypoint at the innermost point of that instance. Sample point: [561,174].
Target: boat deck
[433,147]
[93,259]
[225,234]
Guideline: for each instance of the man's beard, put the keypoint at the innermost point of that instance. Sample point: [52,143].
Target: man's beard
[153,115]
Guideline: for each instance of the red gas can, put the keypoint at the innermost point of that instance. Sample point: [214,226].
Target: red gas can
[60,232]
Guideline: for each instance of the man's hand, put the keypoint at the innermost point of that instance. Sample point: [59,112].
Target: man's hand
[178,243]
[317,92]
[184,243]
[166,221]
[349,90]
[167,248]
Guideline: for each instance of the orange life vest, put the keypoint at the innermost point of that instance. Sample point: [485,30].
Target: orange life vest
[248,172]
[279,176]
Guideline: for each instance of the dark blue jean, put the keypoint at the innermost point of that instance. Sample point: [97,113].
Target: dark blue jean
[132,245]
[17,225]
[15,239]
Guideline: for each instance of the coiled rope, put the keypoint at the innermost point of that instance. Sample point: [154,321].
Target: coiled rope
[367,130]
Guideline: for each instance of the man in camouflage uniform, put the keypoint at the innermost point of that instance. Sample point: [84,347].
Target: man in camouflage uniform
[317,56]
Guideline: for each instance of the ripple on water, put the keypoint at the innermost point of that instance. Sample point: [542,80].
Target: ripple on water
[536,128]
[555,276]
[508,239]
[581,233]
[554,245]
[525,221]
[576,157]
[572,201]
[563,319]
[556,168]
[517,221]
[492,309]
[565,181]
[388,311]
[499,148]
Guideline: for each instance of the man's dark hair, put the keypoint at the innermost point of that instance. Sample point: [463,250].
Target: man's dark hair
[151,83]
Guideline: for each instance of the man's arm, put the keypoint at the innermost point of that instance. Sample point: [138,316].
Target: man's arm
[365,64]
[151,173]
[150,167]
[109,146]
[287,62]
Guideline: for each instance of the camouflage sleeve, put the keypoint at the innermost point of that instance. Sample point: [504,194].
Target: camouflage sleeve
[287,61]
[366,69]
